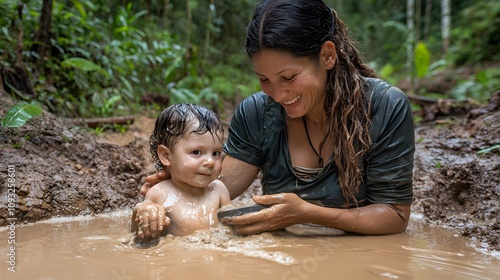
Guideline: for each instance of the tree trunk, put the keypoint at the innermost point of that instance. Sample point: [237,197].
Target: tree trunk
[188,27]
[41,41]
[41,44]
[17,78]
[166,11]
[427,27]
[445,24]
[418,20]
[410,23]
[208,29]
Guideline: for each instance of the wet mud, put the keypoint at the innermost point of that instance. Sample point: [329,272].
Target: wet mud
[456,177]
[62,170]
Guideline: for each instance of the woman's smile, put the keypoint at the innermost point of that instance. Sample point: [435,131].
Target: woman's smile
[292,101]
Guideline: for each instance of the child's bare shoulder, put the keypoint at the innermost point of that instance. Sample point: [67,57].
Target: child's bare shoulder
[216,185]
[220,188]
[158,191]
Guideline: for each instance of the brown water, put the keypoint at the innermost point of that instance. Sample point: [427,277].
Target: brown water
[101,248]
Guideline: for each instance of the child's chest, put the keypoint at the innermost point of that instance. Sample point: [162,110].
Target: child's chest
[187,217]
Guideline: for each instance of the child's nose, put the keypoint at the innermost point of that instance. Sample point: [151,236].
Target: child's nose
[209,161]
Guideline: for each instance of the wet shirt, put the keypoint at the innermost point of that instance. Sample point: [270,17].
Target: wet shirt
[257,135]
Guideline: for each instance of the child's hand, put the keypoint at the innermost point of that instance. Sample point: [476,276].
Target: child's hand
[150,219]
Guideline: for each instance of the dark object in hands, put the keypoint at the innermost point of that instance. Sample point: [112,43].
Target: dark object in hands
[239,211]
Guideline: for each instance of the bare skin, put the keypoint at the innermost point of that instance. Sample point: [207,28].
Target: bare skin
[187,212]
[298,84]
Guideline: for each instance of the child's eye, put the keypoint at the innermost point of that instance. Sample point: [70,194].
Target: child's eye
[217,154]
[289,78]
[197,152]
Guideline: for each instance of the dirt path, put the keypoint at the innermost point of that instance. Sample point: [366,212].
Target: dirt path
[62,170]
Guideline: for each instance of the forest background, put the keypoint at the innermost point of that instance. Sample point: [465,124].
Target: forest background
[81,59]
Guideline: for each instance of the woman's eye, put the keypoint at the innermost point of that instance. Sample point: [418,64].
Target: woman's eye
[289,78]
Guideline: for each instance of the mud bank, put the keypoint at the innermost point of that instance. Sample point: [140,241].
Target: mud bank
[61,170]
[456,178]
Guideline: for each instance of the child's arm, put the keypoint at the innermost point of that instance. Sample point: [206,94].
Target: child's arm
[225,198]
[148,217]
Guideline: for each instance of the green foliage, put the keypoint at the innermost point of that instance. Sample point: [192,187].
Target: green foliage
[387,73]
[83,65]
[476,36]
[439,165]
[19,114]
[105,55]
[480,86]
[230,81]
[422,59]
[488,150]
[187,96]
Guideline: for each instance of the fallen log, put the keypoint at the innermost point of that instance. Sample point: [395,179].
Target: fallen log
[421,99]
[97,122]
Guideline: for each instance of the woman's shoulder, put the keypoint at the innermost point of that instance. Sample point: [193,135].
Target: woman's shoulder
[383,94]
[257,102]
[378,87]
[257,108]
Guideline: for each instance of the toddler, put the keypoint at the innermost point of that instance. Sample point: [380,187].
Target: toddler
[187,143]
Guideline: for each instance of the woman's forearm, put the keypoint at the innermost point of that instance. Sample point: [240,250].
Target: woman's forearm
[237,175]
[371,219]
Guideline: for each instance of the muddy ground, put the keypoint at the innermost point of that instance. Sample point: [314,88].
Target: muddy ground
[62,169]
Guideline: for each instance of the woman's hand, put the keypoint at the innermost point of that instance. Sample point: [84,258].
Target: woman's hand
[149,219]
[152,180]
[286,210]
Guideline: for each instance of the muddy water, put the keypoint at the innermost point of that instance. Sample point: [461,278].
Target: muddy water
[102,248]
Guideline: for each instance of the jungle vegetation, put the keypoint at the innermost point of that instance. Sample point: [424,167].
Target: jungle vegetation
[106,58]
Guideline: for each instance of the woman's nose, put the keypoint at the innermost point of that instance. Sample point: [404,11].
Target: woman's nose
[277,92]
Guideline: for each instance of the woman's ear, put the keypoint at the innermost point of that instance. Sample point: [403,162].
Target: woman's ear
[164,155]
[328,55]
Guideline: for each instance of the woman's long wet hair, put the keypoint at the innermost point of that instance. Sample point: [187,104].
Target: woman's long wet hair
[301,27]
[175,122]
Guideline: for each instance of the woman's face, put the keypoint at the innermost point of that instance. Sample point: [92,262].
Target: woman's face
[298,84]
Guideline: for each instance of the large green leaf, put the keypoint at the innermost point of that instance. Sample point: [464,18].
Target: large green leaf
[84,65]
[20,113]
[79,6]
[422,59]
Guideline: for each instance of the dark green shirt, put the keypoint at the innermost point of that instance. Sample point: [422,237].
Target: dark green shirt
[258,136]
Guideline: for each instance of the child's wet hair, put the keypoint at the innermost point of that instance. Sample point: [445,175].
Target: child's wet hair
[174,122]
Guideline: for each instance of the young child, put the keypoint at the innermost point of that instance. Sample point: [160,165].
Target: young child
[187,142]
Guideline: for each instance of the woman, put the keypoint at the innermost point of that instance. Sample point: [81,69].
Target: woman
[335,145]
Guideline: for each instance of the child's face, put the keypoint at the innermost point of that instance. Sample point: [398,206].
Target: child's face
[196,160]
